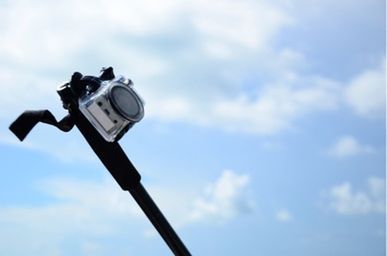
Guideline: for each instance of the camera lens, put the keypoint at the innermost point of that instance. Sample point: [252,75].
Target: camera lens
[126,102]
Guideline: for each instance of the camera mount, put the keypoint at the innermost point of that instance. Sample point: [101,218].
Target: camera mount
[110,153]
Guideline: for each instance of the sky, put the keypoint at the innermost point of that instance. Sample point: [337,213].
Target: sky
[264,127]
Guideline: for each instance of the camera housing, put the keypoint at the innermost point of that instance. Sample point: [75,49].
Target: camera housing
[111,105]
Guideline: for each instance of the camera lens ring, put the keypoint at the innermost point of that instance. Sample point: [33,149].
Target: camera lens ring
[126,102]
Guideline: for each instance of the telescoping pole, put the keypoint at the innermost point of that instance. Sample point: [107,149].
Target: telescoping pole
[111,155]
[127,176]
[158,220]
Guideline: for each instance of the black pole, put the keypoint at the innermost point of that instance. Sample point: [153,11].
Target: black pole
[158,220]
[124,172]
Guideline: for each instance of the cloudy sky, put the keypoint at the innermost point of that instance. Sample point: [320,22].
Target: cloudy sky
[264,131]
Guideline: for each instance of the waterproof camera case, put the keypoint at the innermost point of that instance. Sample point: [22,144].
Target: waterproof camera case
[113,108]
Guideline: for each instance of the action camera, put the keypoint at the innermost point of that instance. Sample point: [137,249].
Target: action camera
[109,103]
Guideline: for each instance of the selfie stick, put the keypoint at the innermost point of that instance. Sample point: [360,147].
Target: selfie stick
[110,154]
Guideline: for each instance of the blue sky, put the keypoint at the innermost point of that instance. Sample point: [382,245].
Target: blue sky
[264,131]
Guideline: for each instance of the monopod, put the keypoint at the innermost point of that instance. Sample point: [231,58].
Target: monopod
[99,106]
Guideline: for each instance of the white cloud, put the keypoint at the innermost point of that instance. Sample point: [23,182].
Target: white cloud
[68,151]
[371,200]
[225,198]
[221,201]
[347,146]
[275,109]
[189,60]
[228,26]
[65,33]
[366,93]
[174,80]
[81,213]
[92,206]
[88,211]
[283,215]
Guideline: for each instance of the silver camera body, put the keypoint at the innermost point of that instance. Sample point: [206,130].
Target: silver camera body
[113,108]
